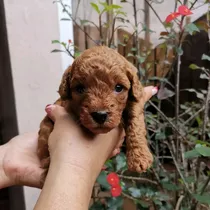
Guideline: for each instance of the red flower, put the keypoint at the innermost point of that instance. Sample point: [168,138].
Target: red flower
[171,17]
[113,179]
[116,191]
[183,10]
[70,41]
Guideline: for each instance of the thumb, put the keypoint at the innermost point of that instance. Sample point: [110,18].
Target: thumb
[55,111]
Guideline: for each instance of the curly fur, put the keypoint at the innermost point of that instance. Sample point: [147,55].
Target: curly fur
[99,70]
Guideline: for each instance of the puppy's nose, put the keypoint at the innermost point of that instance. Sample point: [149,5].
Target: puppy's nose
[99,117]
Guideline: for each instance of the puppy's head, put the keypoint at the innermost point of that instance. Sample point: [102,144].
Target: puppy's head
[99,84]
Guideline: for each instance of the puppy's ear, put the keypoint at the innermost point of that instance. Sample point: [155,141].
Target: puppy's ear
[64,88]
[139,157]
[136,90]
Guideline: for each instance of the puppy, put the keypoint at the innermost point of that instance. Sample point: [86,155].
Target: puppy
[103,90]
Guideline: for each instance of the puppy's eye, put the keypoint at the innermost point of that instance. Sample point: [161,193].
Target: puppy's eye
[119,88]
[80,89]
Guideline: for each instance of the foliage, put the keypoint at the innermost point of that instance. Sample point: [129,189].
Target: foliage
[181,141]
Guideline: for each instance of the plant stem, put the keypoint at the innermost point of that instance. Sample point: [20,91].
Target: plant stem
[168,120]
[193,116]
[178,204]
[202,191]
[142,179]
[156,14]
[135,38]
[75,22]
[112,32]
[206,111]
[178,168]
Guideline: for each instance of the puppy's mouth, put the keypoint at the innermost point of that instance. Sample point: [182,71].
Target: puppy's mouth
[100,129]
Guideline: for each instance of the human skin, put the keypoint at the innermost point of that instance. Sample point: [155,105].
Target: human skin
[76,161]
[71,176]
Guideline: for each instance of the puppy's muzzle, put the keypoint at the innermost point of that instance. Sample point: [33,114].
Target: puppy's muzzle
[99,117]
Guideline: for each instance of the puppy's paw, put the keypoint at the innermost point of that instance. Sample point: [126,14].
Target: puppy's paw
[139,161]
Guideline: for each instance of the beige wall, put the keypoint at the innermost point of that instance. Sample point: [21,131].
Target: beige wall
[36,72]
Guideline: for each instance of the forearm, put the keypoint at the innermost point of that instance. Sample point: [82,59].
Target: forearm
[4,180]
[67,186]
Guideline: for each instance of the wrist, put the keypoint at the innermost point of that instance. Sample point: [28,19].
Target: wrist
[87,157]
[4,179]
[66,184]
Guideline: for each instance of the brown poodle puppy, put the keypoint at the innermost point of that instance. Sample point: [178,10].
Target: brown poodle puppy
[103,90]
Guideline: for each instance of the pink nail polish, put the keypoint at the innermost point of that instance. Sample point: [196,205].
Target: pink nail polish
[47,105]
[154,90]
[118,152]
[48,108]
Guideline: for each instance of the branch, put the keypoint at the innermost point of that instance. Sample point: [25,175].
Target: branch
[206,111]
[177,168]
[193,4]
[142,179]
[156,15]
[113,30]
[193,116]
[179,202]
[202,191]
[75,22]
[168,120]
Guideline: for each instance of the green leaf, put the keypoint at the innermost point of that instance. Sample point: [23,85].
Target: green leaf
[83,22]
[95,7]
[109,164]
[160,136]
[179,51]
[65,19]
[165,93]
[205,57]
[55,42]
[96,206]
[136,193]
[191,28]
[170,186]
[198,95]
[115,203]
[102,180]
[202,198]
[204,76]
[121,161]
[130,55]
[191,154]
[56,50]
[142,203]
[133,49]
[203,150]
[141,59]
[115,6]
[190,179]
[193,66]
[203,142]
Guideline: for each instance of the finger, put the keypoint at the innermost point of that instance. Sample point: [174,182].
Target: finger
[55,111]
[32,178]
[149,92]
[116,151]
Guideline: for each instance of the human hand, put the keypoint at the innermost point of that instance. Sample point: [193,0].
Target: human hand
[19,163]
[76,141]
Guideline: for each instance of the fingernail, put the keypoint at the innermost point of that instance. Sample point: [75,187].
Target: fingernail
[48,108]
[154,90]
[118,152]
[48,105]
